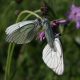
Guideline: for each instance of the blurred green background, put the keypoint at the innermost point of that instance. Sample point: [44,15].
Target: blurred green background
[27,61]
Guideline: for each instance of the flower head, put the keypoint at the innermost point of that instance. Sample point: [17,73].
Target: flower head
[74,15]
[56,23]
[41,36]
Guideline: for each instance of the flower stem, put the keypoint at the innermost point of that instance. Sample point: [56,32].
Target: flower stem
[9,59]
[7,62]
[37,11]
[30,13]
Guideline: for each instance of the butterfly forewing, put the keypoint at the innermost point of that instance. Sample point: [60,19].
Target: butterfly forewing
[16,26]
[21,33]
[52,59]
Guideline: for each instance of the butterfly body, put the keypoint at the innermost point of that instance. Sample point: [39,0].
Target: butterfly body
[49,33]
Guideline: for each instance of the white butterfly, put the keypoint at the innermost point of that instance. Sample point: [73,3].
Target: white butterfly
[54,59]
[24,32]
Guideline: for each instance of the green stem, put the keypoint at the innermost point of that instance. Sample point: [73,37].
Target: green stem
[12,45]
[30,12]
[37,11]
[6,69]
[10,59]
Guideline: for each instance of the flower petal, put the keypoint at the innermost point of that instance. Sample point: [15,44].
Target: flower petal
[41,36]
[77,24]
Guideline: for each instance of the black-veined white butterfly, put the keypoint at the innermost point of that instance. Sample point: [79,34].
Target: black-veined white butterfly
[24,32]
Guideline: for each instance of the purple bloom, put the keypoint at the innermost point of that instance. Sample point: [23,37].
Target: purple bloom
[56,23]
[62,21]
[41,36]
[74,15]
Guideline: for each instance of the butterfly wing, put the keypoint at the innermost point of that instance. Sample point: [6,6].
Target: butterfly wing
[54,59]
[22,32]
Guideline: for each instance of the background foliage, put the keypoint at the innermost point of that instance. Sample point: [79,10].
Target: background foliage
[27,61]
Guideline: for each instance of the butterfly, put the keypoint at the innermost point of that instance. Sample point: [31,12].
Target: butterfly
[24,32]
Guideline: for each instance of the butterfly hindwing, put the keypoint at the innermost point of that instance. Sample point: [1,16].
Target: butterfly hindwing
[52,59]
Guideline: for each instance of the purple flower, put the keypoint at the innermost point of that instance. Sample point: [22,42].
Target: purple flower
[62,21]
[74,15]
[56,23]
[42,36]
